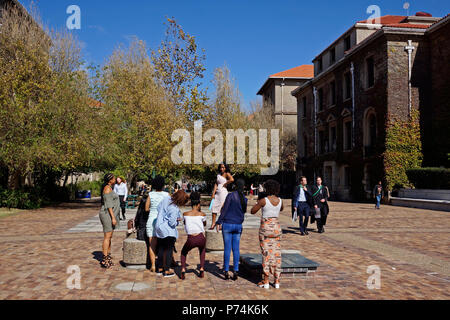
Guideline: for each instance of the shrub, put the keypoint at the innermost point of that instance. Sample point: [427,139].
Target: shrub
[429,178]
[20,199]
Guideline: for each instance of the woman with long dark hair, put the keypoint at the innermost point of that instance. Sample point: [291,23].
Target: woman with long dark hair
[220,192]
[109,217]
[270,233]
[231,220]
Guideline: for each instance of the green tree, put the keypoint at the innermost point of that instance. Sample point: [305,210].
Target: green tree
[179,67]
[137,113]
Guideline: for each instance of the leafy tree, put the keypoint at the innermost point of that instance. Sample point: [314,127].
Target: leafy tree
[137,114]
[179,66]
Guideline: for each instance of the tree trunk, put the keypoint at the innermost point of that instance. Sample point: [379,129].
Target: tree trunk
[14,179]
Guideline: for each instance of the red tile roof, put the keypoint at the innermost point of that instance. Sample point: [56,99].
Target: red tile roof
[384,20]
[304,71]
[397,22]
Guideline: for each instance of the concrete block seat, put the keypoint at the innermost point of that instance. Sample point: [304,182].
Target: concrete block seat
[134,253]
[214,241]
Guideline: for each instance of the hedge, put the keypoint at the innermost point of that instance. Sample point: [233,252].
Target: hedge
[429,178]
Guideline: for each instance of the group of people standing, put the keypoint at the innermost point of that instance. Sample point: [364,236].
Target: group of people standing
[310,203]
[159,214]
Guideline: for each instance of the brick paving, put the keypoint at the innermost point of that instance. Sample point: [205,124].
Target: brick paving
[410,246]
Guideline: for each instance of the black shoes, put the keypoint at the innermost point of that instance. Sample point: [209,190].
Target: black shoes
[227,275]
[307,233]
[202,274]
[235,276]
[183,275]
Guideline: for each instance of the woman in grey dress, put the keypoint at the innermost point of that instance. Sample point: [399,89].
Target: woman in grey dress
[109,217]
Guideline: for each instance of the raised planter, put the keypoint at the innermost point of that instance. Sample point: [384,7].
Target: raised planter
[423,199]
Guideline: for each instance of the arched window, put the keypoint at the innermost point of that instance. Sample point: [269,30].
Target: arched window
[370,128]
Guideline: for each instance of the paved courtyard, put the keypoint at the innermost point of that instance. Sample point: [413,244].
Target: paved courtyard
[409,246]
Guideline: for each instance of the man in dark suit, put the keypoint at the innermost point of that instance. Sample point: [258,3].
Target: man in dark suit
[320,195]
[301,203]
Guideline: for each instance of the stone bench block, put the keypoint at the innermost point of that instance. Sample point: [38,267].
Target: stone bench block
[134,252]
[214,241]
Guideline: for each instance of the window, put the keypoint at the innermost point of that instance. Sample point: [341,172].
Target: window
[332,138]
[333,93]
[372,130]
[347,43]
[347,177]
[304,107]
[370,66]
[347,136]
[305,145]
[320,64]
[347,85]
[321,99]
[332,56]
[323,143]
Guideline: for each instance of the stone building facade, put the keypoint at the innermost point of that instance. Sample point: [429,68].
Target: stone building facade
[276,94]
[361,80]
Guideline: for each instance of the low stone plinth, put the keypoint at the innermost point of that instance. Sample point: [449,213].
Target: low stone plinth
[291,263]
[214,241]
[134,252]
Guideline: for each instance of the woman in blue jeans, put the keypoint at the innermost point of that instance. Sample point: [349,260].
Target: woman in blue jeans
[231,219]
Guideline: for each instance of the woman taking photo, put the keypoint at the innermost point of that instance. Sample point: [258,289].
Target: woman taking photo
[169,215]
[109,217]
[231,220]
[122,191]
[270,233]
[153,200]
[194,224]
[220,192]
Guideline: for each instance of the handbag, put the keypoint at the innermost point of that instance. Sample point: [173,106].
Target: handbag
[317,213]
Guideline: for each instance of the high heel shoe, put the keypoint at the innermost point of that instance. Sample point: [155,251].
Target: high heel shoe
[110,260]
[235,276]
[183,275]
[202,274]
[105,263]
[227,275]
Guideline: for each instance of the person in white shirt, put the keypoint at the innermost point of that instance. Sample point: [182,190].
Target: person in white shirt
[122,190]
[194,223]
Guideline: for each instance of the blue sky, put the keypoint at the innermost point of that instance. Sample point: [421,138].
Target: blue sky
[254,38]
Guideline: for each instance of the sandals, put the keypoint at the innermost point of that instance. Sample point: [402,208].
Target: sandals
[110,259]
[106,262]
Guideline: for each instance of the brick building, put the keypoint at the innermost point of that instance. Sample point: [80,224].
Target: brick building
[369,73]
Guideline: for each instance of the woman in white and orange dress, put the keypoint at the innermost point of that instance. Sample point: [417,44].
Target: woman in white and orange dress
[220,192]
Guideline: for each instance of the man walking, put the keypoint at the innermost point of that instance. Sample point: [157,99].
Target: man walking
[320,195]
[301,204]
[378,194]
